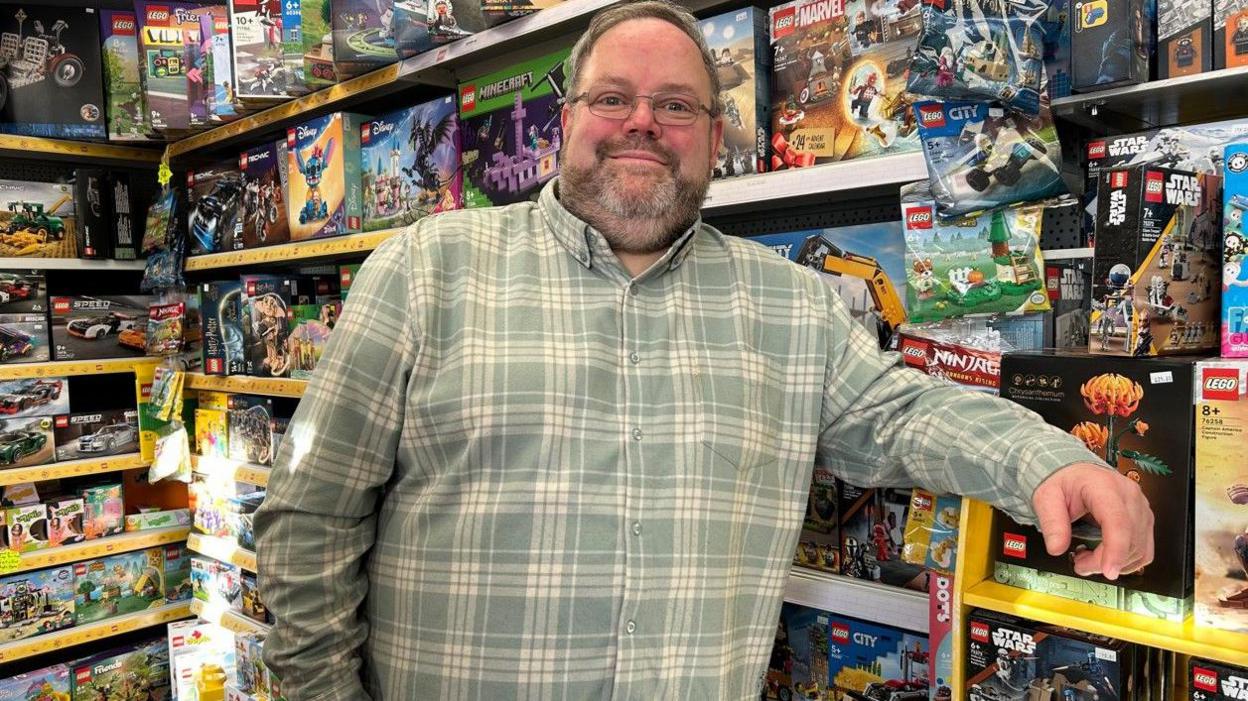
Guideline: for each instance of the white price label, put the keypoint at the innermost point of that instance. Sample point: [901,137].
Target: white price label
[1107,655]
[1162,378]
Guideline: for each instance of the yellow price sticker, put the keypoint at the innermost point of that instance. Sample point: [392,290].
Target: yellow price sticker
[10,561]
[164,174]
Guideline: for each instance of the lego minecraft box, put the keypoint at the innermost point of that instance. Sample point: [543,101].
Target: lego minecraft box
[51,84]
[126,106]
[1234,325]
[738,43]
[873,523]
[1230,33]
[1155,264]
[37,220]
[215,198]
[1137,415]
[876,661]
[838,83]
[1184,37]
[819,546]
[323,173]
[39,602]
[362,36]
[1215,681]
[1112,43]
[94,434]
[510,135]
[410,164]
[265,170]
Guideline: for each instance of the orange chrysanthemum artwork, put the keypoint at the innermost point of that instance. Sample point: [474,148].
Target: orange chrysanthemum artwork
[1093,435]
[1112,394]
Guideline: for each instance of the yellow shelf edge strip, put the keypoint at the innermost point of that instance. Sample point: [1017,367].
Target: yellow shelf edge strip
[100,547]
[89,632]
[72,468]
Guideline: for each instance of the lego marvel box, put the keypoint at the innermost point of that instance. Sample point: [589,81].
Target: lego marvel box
[95,434]
[323,172]
[215,194]
[51,83]
[126,106]
[37,602]
[1216,681]
[261,60]
[1184,37]
[26,441]
[1112,43]
[37,220]
[510,135]
[265,171]
[87,328]
[264,315]
[363,39]
[873,525]
[224,349]
[129,582]
[34,397]
[874,660]
[1234,325]
[1155,264]
[1230,33]
[838,84]
[167,33]
[410,164]
[141,669]
[1137,415]
[23,291]
[819,546]
[51,682]
[738,42]
[249,425]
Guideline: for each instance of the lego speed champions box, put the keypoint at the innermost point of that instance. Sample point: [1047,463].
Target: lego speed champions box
[34,397]
[1235,253]
[1184,37]
[37,602]
[838,85]
[511,134]
[1230,33]
[94,434]
[738,42]
[323,171]
[53,81]
[1112,43]
[410,164]
[265,171]
[88,328]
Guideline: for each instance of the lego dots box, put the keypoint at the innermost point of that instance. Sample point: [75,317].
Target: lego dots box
[52,81]
[37,602]
[410,164]
[1235,252]
[87,328]
[1111,43]
[1155,264]
[838,83]
[265,170]
[1137,415]
[738,42]
[1184,37]
[1216,681]
[511,134]
[95,434]
[323,168]
[873,523]
[875,661]
[37,220]
[1230,33]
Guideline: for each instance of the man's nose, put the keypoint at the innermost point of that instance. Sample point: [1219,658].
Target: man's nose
[641,119]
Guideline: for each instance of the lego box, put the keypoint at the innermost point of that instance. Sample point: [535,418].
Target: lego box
[34,397]
[311,326]
[65,521]
[126,106]
[167,32]
[511,134]
[249,425]
[95,434]
[738,42]
[37,602]
[26,527]
[819,546]
[104,509]
[362,36]
[265,318]
[410,164]
[265,183]
[1230,33]
[1069,284]
[52,82]
[37,220]
[53,681]
[142,668]
[24,338]
[1234,251]
[260,57]
[800,658]
[1112,43]
[1216,681]
[1184,37]
[873,525]
[26,441]
[318,44]
[87,328]
[1155,265]
[224,349]
[323,173]
[876,661]
[215,195]
[23,292]
[129,582]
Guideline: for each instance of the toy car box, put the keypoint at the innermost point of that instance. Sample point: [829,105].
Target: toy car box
[1235,253]
[511,132]
[262,66]
[224,348]
[738,43]
[1137,415]
[1184,37]
[1215,681]
[1155,264]
[1221,495]
[105,510]
[95,434]
[54,681]
[126,106]
[410,164]
[65,521]
[875,660]
[362,36]
[265,184]
[166,31]
[87,328]
[819,546]
[53,80]
[24,338]
[34,397]
[265,319]
[1069,283]
[1112,43]
[26,441]
[248,419]
[872,532]
[1230,33]
[215,196]
[799,659]
[23,291]
[26,527]
[142,668]
[37,220]
[38,602]
[323,171]
[128,582]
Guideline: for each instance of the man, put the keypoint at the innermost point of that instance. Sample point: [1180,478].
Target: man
[562,449]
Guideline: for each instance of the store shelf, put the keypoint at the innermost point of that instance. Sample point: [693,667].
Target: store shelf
[242,384]
[70,263]
[858,598]
[768,188]
[99,630]
[38,148]
[1067,253]
[301,251]
[72,468]
[18,371]
[1185,638]
[1204,97]
[229,620]
[100,547]
[222,550]
[244,472]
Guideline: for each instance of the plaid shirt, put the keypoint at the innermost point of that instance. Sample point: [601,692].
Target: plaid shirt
[520,474]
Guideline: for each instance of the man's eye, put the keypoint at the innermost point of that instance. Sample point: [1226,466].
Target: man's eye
[610,100]
[676,106]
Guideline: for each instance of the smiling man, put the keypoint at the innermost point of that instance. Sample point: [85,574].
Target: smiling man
[561,450]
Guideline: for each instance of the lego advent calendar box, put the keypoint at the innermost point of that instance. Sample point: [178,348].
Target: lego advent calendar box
[410,164]
[1112,43]
[53,80]
[323,171]
[511,134]
[1235,253]
[738,43]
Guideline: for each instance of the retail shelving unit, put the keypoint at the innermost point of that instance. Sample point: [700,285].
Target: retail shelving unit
[1204,97]
[19,371]
[223,550]
[301,251]
[243,384]
[72,468]
[230,620]
[901,608]
[28,147]
[751,191]
[100,547]
[69,637]
[245,472]
[1067,253]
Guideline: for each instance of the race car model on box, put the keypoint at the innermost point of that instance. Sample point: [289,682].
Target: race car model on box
[23,396]
[97,327]
[25,443]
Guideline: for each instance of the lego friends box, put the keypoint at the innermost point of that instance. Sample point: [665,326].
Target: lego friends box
[323,159]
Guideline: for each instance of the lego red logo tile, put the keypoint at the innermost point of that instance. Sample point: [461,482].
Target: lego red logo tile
[919,218]
[60,305]
[914,352]
[932,115]
[921,502]
[1118,179]
[213,366]
[1096,150]
[1015,545]
[157,15]
[290,138]
[80,569]
[62,421]
[979,632]
[1205,679]
[783,22]
[123,25]
[468,97]
[83,676]
[1154,186]
[366,133]
[1221,384]
[840,633]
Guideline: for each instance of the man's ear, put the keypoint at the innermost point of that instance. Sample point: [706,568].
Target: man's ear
[565,114]
[717,140]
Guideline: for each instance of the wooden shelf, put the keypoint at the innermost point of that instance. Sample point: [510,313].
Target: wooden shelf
[72,468]
[244,472]
[100,547]
[222,550]
[230,620]
[243,384]
[38,148]
[89,632]
[750,191]
[300,251]
[18,371]
[1204,97]
[847,596]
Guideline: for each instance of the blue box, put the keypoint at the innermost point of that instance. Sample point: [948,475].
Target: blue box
[323,163]
[1234,250]
[410,164]
[867,659]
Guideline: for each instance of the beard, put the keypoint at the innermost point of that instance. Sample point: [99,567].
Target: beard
[638,209]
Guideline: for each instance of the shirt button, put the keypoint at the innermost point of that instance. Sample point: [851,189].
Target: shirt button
[632,290]
[635,357]
[636,434]
[636,528]
[630,627]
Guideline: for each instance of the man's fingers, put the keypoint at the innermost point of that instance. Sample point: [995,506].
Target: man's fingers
[1053,518]
[1117,530]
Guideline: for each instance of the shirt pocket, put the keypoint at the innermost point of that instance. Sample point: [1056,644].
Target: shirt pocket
[739,411]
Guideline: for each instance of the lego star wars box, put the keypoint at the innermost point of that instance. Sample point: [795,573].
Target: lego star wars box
[873,660]
[1234,250]
[23,291]
[52,80]
[318,43]
[1137,415]
[95,434]
[323,171]
[800,657]
[511,134]
[262,60]
[264,217]
[1155,264]
[1112,43]
[819,546]
[873,525]
[143,668]
[410,164]
[1069,283]
[1221,495]
[39,602]
[1105,153]
[42,396]
[362,36]
[166,31]
[88,328]
[53,680]
[838,84]
[26,441]
[224,349]
[24,338]
[38,220]
[1230,33]
[129,582]
[215,196]
[126,105]
[1184,37]
[265,320]
[1216,681]
[738,42]
[249,417]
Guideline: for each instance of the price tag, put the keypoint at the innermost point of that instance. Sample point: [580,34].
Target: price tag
[10,561]
[164,174]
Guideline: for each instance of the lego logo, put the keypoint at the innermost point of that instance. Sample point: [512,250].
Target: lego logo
[1015,545]
[932,115]
[468,97]
[920,218]
[60,306]
[1220,384]
[366,133]
[1205,679]
[83,676]
[922,502]
[62,421]
[1118,179]
[1096,150]
[1153,186]
[914,352]
[123,26]
[157,15]
[783,22]
[979,632]
[840,633]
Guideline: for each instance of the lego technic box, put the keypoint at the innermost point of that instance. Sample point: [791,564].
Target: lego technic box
[140,671]
[126,107]
[215,195]
[1216,681]
[1230,33]
[1137,415]
[89,328]
[410,164]
[872,661]
[37,220]
[738,42]
[23,291]
[34,397]
[224,348]
[94,434]
[1112,43]
[1235,253]
[26,441]
[323,173]
[51,79]
[819,546]
[873,523]
[1184,37]
[36,602]
[838,83]
[265,184]
[1155,264]
[511,131]
[261,56]
[362,35]
[265,319]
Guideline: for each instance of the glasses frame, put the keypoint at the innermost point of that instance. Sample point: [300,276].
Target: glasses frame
[710,112]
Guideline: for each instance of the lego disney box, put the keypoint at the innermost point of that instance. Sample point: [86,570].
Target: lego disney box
[410,164]
[53,682]
[1235,252]
[323,162]
[511,133]
[52,82]
[738,42]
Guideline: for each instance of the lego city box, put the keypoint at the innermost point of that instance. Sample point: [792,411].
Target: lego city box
[1230,33]
[323,171]
[838,83]
[51,82]
[52,682]
[96,434]
[89,328]
[410,164]
[215,195]
[37,602]
[800,655]
[876,661]
[742,53]
[1234,325]
[1137,415]
[34,397]
[126,104]
[25,441]
[1215,681]
[1156,262]
[265,185]
[511,133]
[1112,43]
[873,523]
[37,220]
[24,338]
[362,36]
[819,546]
[224,345]
[143,669]
[1184,37]
[23,291]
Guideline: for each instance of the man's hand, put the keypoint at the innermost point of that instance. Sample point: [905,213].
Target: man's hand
[1114,501]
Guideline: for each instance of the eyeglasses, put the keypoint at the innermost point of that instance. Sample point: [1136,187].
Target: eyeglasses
[671,109]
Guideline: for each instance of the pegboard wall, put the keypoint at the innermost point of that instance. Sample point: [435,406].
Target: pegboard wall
[825,215]
[1062,227]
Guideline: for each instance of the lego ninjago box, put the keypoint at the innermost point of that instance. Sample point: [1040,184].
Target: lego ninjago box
[1184,37]
[819,546]
[1230,33]
[51,83]
[1137,415]
[1156,262]
[873,523]
[1112,43]
[1216,681]
[958,363]
[738,43]
[323,173]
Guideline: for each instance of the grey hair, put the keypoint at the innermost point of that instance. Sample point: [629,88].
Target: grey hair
[664,10]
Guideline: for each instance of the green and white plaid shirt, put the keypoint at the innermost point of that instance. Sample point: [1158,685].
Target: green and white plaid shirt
[520,474]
